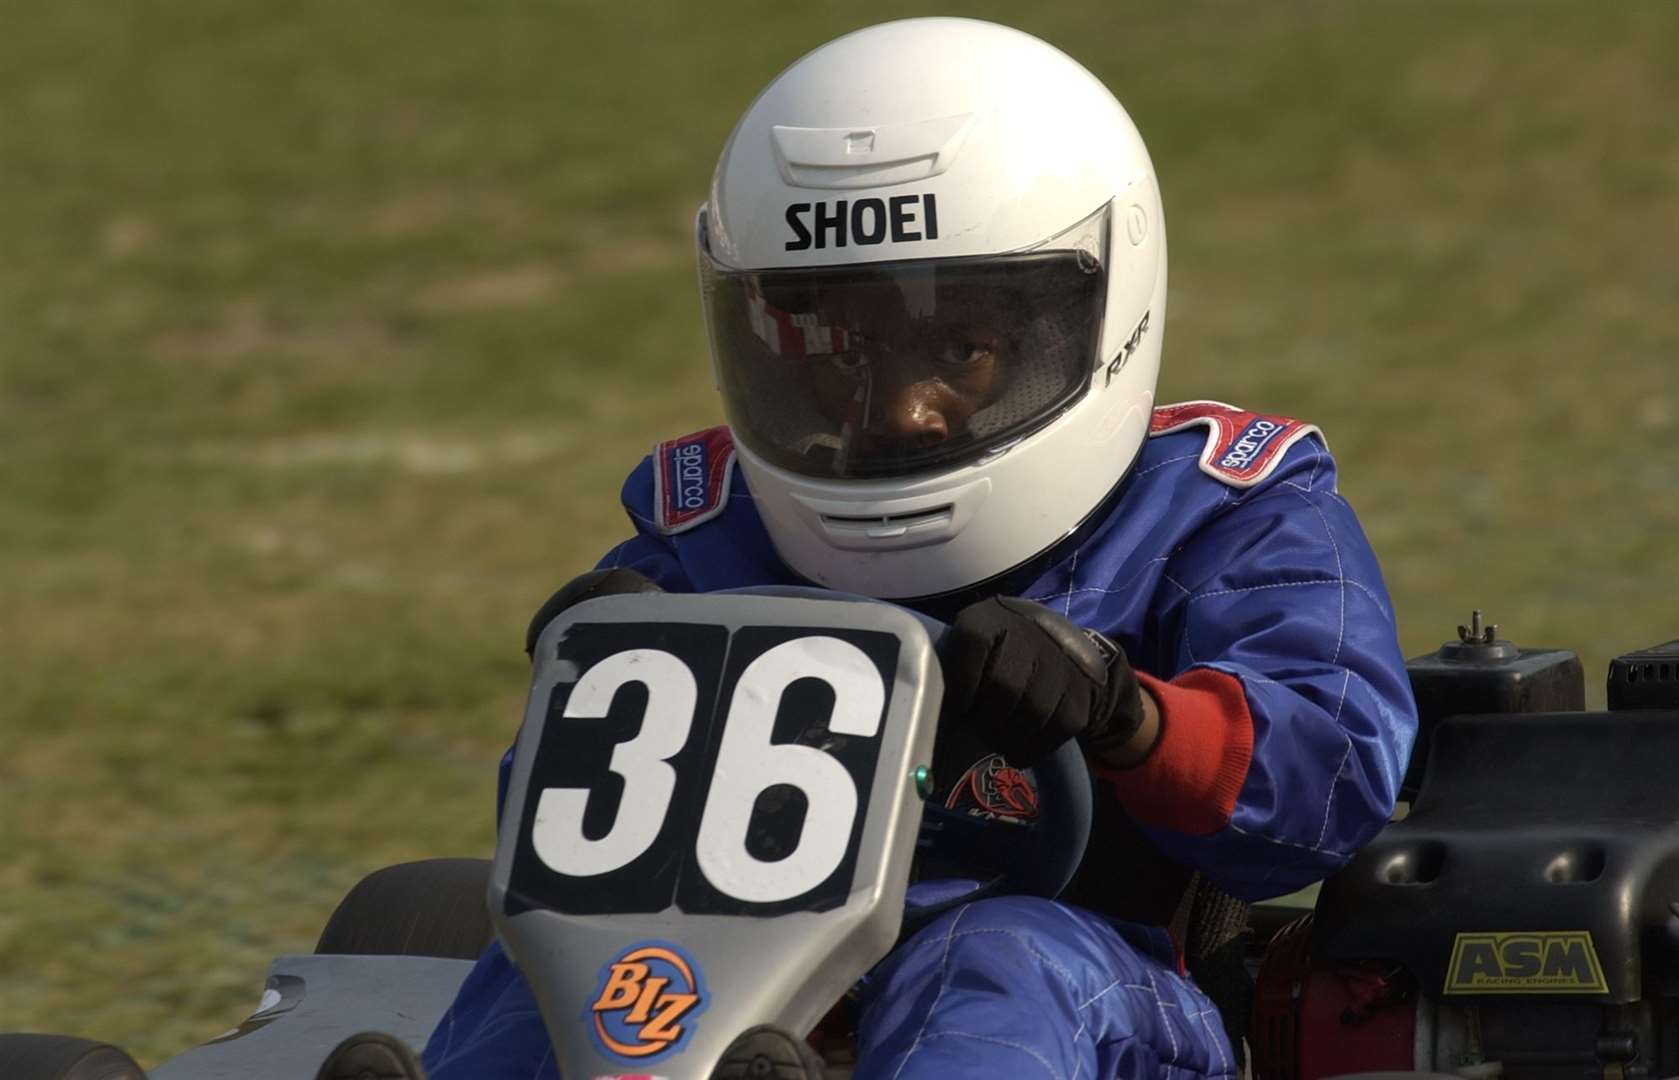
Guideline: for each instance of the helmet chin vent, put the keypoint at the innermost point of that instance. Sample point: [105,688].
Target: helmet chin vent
[890,526]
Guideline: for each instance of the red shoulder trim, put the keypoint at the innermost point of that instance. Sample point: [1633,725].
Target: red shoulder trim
[1243,448]
[691,478]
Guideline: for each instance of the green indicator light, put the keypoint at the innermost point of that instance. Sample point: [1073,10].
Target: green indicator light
[923,781]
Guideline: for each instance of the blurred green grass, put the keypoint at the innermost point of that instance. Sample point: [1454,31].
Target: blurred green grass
[328,331]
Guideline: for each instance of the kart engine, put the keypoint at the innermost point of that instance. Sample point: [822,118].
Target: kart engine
[1522,919]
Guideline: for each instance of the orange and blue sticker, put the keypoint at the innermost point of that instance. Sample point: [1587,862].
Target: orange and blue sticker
[645,1003]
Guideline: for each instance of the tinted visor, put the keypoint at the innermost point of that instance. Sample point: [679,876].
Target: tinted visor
[884,369]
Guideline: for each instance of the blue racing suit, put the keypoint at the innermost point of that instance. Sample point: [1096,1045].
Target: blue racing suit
[1246,596]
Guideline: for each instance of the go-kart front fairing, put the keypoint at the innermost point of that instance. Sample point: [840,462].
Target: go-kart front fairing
[728,848]
[714,806]
[727,844]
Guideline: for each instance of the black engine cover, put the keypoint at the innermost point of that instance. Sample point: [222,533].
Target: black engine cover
[1646,679]
[1543,826]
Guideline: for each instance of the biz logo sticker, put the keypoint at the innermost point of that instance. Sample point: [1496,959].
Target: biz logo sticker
[645,1002]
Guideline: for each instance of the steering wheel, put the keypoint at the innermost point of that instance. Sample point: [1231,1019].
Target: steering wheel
[1031,842]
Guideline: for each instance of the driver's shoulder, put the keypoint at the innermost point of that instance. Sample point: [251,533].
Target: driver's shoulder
[1225,493]
[685,482]
[1212,450]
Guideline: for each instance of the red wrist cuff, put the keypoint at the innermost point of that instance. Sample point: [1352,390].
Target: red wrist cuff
[1190,779]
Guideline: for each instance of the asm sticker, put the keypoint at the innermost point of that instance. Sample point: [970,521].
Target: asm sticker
[1243,448]
[1553,962]
[645,1003]
[993,788]
[691,477]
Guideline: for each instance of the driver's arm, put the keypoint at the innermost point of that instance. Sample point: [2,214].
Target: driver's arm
[1255,724]
[1284,712]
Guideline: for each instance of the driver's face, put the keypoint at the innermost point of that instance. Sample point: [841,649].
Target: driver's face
[908,383]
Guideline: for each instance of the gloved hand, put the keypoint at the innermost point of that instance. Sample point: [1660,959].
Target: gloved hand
[586,587]
[1032,680]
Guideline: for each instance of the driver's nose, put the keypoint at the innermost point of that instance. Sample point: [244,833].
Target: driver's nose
[916,414]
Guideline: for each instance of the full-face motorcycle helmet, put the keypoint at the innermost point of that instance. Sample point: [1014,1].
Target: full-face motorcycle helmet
[933,265]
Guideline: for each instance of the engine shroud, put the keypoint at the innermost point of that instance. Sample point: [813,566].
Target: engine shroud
[1528,831]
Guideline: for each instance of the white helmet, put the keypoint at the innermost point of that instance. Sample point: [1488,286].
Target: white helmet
[934,273]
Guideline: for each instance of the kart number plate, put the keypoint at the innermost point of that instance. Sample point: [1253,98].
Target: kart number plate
[722,770]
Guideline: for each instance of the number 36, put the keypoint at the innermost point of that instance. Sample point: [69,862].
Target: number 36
[747,764]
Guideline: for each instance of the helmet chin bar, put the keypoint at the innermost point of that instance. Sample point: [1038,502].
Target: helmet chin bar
[1016,579]
[958,528]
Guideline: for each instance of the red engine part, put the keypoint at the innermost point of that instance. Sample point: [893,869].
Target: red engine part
[835,1035]
[1312,1019]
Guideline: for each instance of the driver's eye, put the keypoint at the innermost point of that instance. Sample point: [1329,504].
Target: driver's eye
[849,360]
[963,355]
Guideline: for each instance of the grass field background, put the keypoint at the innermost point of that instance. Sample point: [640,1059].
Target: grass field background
[328,331]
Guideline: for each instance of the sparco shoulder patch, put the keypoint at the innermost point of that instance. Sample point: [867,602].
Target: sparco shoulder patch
[1243,447]
[691,477]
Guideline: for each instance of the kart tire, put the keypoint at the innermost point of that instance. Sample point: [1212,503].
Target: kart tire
[434,907]
[767,1053]
[64,1057]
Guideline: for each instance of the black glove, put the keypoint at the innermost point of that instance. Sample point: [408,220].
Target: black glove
[586,587]
[1032,680]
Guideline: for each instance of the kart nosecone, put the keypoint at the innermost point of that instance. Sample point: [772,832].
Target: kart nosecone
[712,812]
